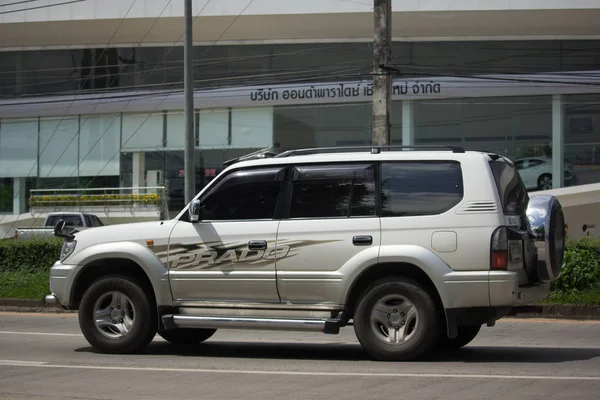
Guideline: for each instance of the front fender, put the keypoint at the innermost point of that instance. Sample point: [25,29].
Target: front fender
[155,270]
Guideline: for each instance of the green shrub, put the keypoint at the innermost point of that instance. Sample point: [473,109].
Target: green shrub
[32,256]
[581,268]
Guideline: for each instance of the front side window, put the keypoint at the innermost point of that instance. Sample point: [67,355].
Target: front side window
[420,188]
[330,191]
[244,195]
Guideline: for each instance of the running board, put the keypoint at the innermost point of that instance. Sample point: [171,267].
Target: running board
[331,326]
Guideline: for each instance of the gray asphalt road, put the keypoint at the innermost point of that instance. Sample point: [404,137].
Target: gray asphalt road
[45,357]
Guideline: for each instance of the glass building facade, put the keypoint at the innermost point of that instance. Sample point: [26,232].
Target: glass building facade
[145,147]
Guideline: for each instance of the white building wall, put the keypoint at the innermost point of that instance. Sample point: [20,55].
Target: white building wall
[113,9]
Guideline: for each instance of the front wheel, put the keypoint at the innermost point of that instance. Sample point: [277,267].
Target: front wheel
[396,320]
[116,315]
[187,336]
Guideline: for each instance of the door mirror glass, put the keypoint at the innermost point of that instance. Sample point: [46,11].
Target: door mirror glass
[195,211]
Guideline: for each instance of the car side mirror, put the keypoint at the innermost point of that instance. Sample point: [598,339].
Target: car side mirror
[195,211]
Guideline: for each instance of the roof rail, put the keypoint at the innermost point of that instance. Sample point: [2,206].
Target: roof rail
[262,153]
[372,149]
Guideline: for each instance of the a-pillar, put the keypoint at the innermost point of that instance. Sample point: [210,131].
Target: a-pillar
[19,196]
[138,173]
[558,148]
[408,123]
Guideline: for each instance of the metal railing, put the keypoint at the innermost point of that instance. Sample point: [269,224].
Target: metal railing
[99,199]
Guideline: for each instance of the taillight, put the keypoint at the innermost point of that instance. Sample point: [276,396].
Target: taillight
[499,249]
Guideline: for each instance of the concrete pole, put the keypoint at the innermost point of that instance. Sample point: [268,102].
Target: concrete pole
[188,55]
[382,81]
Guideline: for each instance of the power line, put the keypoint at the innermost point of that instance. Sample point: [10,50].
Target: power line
[14,3]
[40,7]
[157,107]
[67,112]
[281,84]
[199,64]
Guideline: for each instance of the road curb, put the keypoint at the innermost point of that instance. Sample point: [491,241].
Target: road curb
[25,305]
[545,311]
[557,311]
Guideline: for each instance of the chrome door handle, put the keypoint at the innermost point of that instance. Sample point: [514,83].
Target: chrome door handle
[257,244]
[362,240]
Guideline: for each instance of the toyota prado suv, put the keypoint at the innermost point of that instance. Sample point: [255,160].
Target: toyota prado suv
[414,249]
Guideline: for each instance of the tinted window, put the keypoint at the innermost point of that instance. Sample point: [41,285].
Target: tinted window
[70,220]
[243,195]
[510,187]
[409,189]
[96,221]
[333,191]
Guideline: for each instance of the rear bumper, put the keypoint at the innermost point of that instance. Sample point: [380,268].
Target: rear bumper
[489,289]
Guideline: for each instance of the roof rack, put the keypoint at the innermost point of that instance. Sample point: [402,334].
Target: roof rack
[373,149]
[262,153]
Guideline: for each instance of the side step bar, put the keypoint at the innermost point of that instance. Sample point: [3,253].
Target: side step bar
[330,326]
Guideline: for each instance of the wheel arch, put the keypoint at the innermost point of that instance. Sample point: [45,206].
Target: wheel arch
[109,267]
[126,259]
[388,269]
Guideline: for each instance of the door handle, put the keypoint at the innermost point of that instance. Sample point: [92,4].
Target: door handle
[257,245]
[362,240]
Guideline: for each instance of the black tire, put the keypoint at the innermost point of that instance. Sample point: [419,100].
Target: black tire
[466,334]
[541,181]
[181,337]
[419,341]
[140,308]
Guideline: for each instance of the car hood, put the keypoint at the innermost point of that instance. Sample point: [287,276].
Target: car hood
[139,232]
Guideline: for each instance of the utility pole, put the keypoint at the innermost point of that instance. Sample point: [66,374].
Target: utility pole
[382,81]
[188,73]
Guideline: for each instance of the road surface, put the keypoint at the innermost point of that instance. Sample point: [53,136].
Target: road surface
[44,356]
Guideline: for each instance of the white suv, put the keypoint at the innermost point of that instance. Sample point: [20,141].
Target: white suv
[415,249]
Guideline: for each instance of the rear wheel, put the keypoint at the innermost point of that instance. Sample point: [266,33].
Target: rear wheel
[187,336]
[396,320]
[466,333]
[116,315]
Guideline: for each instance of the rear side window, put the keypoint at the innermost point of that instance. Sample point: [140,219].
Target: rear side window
[70,220]
[513,194]
[329,191]
[420,188]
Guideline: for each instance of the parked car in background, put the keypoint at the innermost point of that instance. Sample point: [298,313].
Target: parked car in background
[79,221]
[536,172]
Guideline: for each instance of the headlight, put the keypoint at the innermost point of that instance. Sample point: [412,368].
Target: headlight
[67,250]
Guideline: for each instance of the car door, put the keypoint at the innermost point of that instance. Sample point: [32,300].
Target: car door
[330,219]
[229,255]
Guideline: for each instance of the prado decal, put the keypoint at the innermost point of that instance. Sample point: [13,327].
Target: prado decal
[198,256]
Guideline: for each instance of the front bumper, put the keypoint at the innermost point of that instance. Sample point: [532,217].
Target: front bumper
[489,289]
[62,278]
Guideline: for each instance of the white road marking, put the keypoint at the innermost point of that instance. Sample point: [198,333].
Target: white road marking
[21,363]
[42,364]
[39,333]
